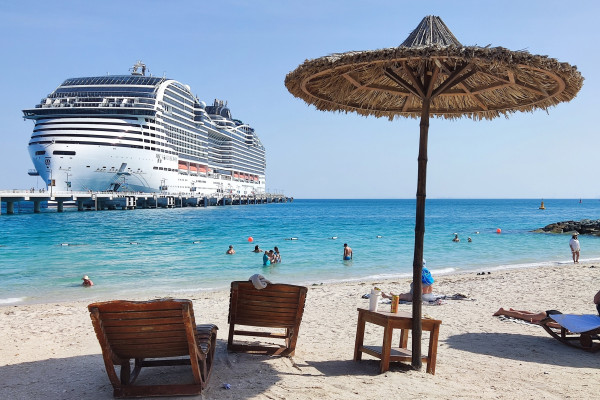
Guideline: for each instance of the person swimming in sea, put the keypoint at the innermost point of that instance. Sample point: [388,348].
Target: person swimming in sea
[87,281]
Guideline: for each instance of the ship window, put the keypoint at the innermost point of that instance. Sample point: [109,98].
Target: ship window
[40,153]
[63,153]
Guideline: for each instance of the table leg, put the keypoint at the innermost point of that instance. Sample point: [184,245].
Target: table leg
[432,354]
[360,336]
[386,348]
[404,338]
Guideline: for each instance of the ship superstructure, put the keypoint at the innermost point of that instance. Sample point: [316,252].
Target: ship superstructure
[142,133]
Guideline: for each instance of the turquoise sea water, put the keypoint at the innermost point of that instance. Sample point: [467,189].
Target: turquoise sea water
[180,251]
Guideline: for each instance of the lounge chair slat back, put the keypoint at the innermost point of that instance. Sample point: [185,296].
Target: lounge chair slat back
[152,329]
[132,333]
[276,306]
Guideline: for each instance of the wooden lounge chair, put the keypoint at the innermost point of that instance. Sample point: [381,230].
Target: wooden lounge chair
[570,330]
[162,330]
[276,306]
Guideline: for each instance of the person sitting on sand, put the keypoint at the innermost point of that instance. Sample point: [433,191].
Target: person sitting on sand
[87,281]
[426,284]
[230,250]
[257,249]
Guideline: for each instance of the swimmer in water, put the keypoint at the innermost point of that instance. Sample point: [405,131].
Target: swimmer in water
[87,281]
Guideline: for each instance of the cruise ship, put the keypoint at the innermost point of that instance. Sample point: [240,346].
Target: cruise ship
[141,133]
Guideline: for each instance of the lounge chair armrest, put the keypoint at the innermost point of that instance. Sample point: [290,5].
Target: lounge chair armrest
[205,336]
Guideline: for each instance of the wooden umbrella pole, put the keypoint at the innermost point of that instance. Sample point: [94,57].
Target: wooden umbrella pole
[419,236]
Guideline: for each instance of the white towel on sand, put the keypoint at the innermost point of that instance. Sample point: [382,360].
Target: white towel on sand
[259,281]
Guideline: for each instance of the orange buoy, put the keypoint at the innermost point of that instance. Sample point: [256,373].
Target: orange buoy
[498,230]
[251,239]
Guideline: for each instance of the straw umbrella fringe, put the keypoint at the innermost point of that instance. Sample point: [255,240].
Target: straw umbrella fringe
[502,82]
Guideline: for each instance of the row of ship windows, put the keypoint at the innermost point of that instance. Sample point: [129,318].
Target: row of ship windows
[135,132]
[87,123]
[72,153]
[56,153]
[103,144]
[99,136]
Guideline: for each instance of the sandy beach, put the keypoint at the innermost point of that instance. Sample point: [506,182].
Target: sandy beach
[49,351]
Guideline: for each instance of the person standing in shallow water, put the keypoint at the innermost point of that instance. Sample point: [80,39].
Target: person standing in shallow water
[347,252]
[266,258]
[574,245]
[276,255]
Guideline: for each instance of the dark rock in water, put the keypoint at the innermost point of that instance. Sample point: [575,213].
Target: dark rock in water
[583,227]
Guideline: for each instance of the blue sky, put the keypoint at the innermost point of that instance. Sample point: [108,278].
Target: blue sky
[241,51]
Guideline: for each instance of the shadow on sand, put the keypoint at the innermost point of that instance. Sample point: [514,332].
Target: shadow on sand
[84,377]
[514,346]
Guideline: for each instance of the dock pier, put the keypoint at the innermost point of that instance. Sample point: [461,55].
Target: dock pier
[98,201]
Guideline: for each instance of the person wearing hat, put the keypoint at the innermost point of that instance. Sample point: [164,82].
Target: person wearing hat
[230,250]
[574,245]
[87,281]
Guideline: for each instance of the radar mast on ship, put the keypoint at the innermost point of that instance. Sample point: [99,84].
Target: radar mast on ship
[139,69]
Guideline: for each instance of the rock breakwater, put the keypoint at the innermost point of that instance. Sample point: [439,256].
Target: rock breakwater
[583,227]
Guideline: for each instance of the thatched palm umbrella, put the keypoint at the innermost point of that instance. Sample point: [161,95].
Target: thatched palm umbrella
[431,73]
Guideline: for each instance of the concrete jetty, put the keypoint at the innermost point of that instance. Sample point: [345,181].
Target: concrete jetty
[88,200]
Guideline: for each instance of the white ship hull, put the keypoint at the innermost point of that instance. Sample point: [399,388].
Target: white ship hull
[98,168]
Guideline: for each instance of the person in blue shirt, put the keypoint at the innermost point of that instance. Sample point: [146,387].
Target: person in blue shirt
[426,283]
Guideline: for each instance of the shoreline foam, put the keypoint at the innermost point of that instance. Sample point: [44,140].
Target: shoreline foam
[99,293]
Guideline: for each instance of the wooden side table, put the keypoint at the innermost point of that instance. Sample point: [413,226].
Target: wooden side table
[390,321]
